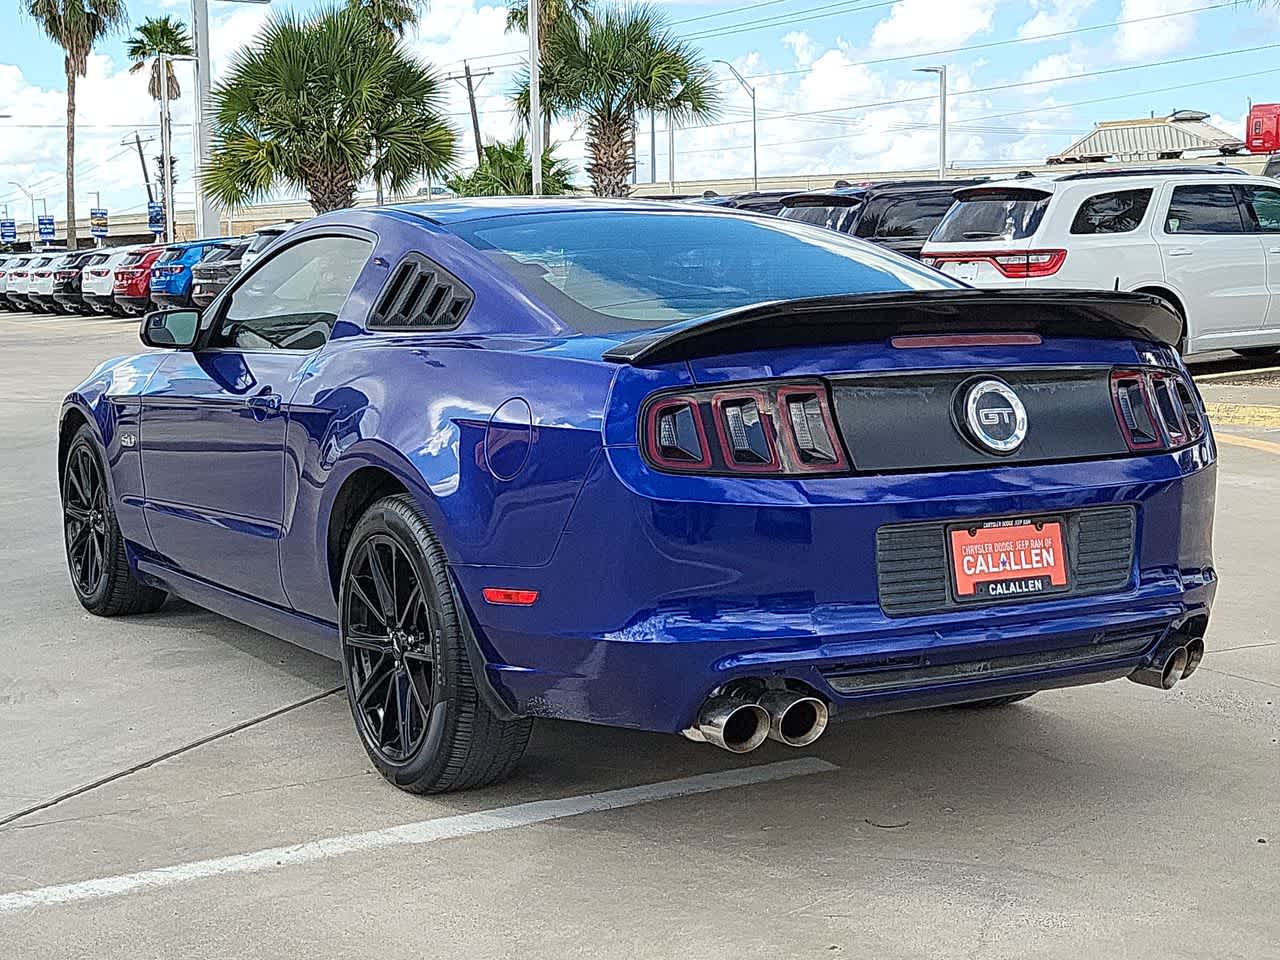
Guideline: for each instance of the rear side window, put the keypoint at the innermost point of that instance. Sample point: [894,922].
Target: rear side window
[833,218]
[909,217]
[1120,211]
[1262,206]
[992,215]
[1203,208]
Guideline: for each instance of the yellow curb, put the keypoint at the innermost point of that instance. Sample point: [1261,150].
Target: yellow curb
[1234,374]
[1243,414]
[1266,446]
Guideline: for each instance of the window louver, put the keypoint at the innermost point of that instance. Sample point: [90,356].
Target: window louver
[421,295]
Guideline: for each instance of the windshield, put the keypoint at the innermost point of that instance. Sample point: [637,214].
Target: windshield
[992,215]
[171,254]
[605,271]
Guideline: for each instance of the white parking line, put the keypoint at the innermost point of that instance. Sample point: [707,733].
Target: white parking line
[424,831]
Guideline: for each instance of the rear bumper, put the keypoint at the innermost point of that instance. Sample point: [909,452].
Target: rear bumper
[132,304]
[169,301]
[101,302]
[650,604]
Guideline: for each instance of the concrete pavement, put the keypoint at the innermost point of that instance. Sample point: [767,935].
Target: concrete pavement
[1105,822]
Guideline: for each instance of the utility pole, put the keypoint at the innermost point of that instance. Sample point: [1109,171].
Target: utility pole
[471,81]
[146,176]
[535,101]
[166,147]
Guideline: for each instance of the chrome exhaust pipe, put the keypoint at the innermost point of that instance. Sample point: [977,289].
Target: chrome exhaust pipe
[1195,653]
[1166,668]
[794,718]
[731,723]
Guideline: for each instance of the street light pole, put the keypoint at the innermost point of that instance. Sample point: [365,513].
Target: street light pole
[942,116]
[535,101]
[755,161]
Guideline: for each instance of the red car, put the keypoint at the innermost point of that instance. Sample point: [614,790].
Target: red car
[132,288]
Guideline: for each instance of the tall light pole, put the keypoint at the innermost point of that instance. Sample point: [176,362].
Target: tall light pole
[942,116]
[206,209]
[535,101]
[30,197]
[755,161]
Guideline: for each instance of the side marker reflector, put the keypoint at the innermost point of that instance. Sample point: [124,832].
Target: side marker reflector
[508,597]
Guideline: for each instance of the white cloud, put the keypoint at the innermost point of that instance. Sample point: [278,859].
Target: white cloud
[1054,16]
[1054,67]
[925,24]
[801,46]
[1154,38]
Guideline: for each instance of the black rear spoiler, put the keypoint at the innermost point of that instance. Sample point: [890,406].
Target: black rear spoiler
[853,318]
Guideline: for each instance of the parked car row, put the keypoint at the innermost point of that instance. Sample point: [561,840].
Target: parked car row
[1205,239]
[127,281]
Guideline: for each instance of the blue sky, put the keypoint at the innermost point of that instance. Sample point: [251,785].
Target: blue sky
[835,83]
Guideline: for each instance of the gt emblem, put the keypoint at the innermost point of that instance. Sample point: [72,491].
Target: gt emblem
[994,416]
[128,440]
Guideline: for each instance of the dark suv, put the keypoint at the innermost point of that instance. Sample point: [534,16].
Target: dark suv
[220,266]
[899,214]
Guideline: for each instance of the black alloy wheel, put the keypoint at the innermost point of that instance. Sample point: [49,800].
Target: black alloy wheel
[388,649]
[84,514]
[96,554]
[418,708]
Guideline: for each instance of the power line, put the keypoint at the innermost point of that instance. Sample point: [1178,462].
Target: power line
[1004,43]
[815,13]
[828,111]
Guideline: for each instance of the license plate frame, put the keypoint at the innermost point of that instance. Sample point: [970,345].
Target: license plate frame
[1022,542]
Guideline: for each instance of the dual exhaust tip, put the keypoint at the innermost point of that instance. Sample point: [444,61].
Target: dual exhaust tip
[1173,662]
[739,725]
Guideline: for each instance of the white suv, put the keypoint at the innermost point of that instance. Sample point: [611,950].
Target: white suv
[1206,239]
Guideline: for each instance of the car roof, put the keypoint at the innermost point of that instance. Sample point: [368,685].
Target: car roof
[445,212]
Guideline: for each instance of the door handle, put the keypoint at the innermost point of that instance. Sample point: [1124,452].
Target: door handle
[264,405]
[1180,252]
[1273,249]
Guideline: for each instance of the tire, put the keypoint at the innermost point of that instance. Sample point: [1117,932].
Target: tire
[403,652]
[1253,353]
[997,701]
[96,558]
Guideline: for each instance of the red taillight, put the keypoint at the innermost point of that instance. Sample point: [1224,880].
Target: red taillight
[506,596]
[777,430]
[1014,264]
[1030,263]
[1157,409]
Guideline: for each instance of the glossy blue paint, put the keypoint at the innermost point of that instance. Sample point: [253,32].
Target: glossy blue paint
[520,446]
[171,278]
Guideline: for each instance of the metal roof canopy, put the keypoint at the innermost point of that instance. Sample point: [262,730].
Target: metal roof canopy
[1149,138]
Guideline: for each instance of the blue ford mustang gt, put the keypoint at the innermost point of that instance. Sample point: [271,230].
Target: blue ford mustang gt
[650,466]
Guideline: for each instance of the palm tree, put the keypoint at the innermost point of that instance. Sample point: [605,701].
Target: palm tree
[391,16]
[75,26]
[156,36]
[507,171]
[550,12]
[321,103]
[614,64]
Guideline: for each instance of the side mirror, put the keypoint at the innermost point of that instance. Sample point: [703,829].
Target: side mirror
[170,329]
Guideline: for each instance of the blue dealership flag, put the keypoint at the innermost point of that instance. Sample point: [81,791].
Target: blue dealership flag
[8,231]
[45,224]
[155,216]
[98,222]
